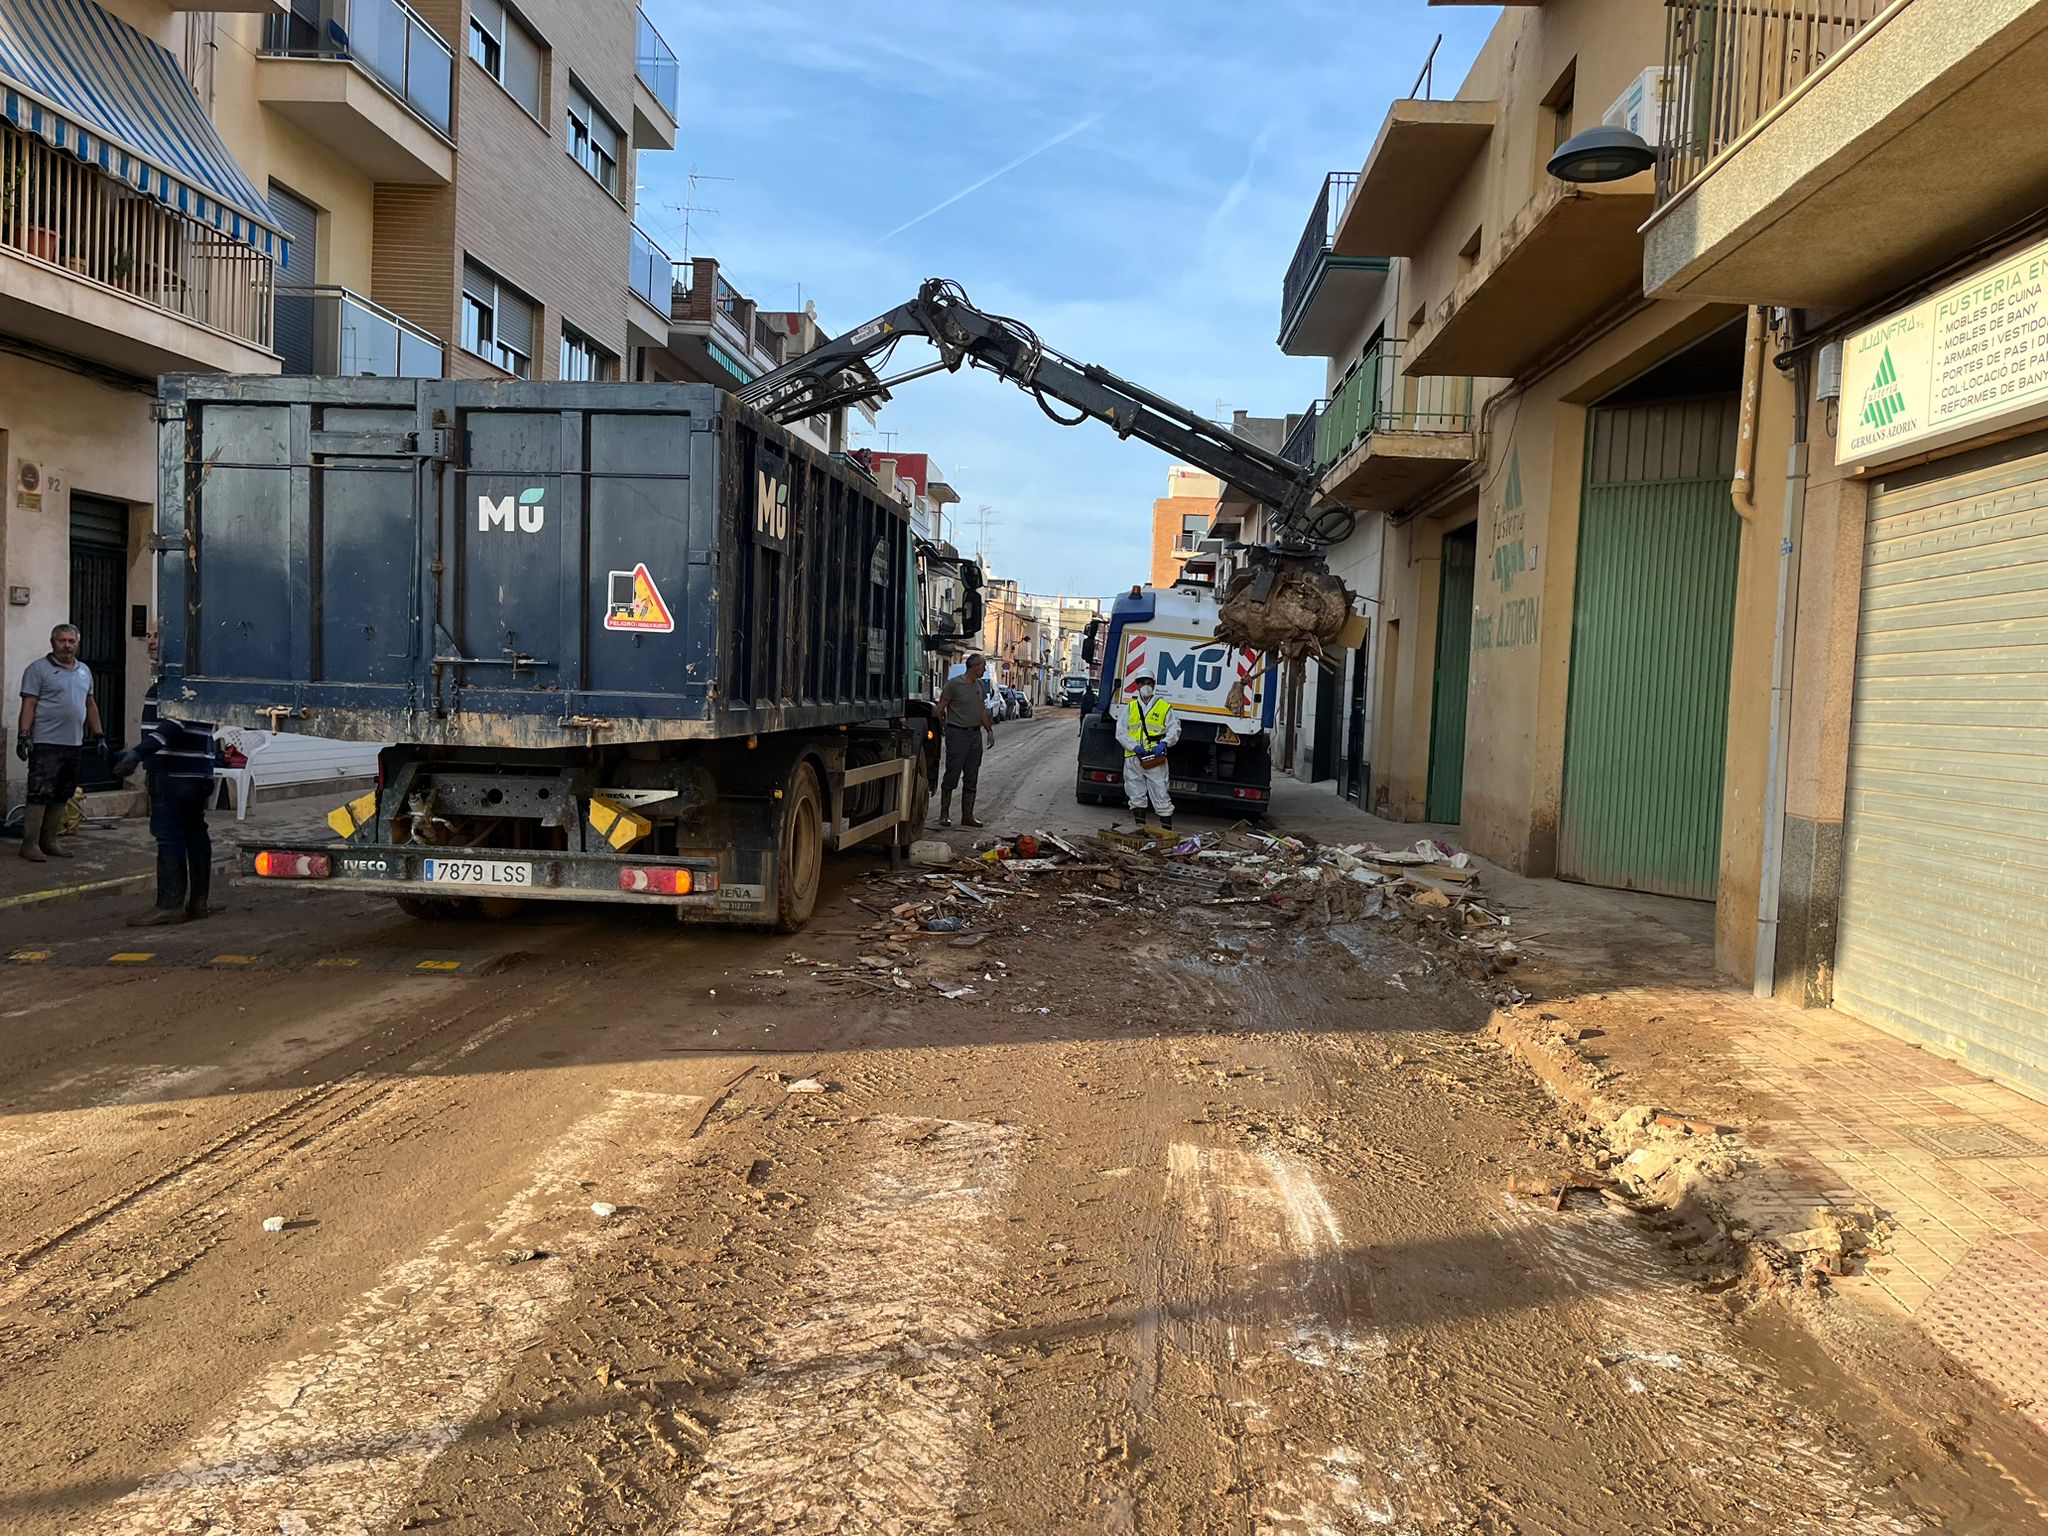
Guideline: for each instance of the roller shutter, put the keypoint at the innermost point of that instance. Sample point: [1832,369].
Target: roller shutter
[1943,933]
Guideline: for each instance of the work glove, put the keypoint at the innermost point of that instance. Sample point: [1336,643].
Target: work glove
[124,764]
[21,747]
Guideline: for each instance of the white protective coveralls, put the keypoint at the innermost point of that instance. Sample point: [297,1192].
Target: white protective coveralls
[1147,730]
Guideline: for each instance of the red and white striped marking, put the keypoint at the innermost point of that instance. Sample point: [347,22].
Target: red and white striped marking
[1134,662]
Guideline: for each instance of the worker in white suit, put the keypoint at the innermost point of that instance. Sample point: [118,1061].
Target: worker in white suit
[1146,728]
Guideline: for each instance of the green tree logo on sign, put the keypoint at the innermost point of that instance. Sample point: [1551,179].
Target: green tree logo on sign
[1884,402]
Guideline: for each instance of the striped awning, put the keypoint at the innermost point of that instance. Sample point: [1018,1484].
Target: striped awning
[93,86]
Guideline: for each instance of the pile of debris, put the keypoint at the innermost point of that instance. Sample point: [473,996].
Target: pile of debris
[1430,882]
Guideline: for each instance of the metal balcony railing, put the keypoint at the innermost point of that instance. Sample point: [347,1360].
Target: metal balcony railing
[60,211]
[1300,447]
[650,271]
[327,330]
[655,62]
[1728,63]
[387,39]
[1379,397]
[1314,245]
[765,340]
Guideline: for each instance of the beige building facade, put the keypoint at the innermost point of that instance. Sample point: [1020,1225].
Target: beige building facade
[1569,605]
[327,181]
[1880,203]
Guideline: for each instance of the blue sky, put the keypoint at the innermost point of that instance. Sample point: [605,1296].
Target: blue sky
[1161,161]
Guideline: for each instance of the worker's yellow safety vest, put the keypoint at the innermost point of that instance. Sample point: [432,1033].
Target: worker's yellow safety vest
[1148,724]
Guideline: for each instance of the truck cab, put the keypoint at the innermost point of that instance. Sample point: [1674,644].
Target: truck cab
[1220,692]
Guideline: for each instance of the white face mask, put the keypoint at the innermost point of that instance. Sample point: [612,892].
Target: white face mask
[1145,694]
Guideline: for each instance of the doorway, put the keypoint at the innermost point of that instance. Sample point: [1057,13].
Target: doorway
[99,607]
[1323,761]
[1357,772]
[1446,797]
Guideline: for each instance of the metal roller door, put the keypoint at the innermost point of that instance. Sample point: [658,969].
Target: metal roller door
[1943,931]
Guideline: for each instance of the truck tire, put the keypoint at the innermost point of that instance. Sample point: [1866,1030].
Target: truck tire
[800,846]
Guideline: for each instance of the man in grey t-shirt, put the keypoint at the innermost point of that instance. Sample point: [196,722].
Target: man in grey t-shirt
[963,711]
[60,718]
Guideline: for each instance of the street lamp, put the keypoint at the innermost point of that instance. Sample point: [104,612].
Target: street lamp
[1601,153]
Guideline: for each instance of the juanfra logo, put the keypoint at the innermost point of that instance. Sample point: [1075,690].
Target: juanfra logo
[530,511]
[1884,401]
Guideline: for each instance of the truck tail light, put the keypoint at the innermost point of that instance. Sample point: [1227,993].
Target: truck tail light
[1097,776]
[657,882]
[1247,794]
[274,864]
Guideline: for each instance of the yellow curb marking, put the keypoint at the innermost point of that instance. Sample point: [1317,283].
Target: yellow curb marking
[132,957]
[30,956]
[232,960]
[439,965]
[338,962]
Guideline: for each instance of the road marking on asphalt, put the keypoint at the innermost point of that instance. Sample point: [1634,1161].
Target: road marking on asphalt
[863,1415]
[339,1440]
[29,956]
[132,957]
[337,962]
[1290,1332]
[438,965]
[232,960]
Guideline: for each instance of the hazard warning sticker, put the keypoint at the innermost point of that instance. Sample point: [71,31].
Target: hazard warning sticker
[634,602]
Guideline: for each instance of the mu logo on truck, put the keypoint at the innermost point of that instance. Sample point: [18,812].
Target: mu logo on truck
[771,498]
[1197,671]
[530,510]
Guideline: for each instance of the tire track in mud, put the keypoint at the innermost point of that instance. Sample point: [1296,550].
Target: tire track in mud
[75,1275]
[339,1440]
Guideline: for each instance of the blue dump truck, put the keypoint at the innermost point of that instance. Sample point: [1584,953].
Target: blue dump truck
[629,643]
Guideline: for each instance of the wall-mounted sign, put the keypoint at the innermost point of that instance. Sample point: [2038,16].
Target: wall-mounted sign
[1960,363]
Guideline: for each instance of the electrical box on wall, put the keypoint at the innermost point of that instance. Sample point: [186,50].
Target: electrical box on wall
[1827,372]
[17,597]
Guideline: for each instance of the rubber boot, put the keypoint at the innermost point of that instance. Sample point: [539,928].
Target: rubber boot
[945,807]
[1166,823]
[170,893]
[32,834]
[53,816]
[967,813]
[199,886]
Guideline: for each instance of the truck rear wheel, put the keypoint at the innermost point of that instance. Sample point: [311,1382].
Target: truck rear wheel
[802,850]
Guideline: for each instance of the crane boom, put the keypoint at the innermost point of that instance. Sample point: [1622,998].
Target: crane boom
[839,372]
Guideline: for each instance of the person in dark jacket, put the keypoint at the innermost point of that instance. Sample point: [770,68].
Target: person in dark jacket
[179,758]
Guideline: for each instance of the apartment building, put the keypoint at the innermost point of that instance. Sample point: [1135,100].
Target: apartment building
[356,187]
[1555,476]
[1870,176]
[1180,524]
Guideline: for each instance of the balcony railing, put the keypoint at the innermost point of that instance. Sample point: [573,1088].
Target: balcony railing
[1186,543]
[1379,397]
[652,274]
[765,339]
[1300,447]
[1316,236]
[327,330]
[1729,62]
[61,212]
[387,39]
[655,62]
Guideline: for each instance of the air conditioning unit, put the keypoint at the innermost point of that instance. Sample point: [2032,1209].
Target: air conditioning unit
[1640,108]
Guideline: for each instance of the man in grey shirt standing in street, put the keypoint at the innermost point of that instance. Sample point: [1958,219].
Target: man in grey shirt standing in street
[60,718]
[963,711]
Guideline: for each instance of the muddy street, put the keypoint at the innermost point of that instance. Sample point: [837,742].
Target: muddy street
[1164,1220]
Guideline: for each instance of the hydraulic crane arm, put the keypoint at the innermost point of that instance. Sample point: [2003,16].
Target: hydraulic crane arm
[841,372]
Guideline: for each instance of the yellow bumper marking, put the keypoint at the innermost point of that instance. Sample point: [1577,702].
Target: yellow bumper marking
[30,956]
[132,957]
[438,965]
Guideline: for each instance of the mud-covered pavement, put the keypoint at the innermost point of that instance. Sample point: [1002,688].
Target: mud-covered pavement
[1178,1223]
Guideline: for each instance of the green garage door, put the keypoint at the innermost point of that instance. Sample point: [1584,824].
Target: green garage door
[1943,932]
[1653,618]
[1453,682]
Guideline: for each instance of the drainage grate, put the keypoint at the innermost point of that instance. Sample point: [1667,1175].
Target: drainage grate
[1983,1139]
